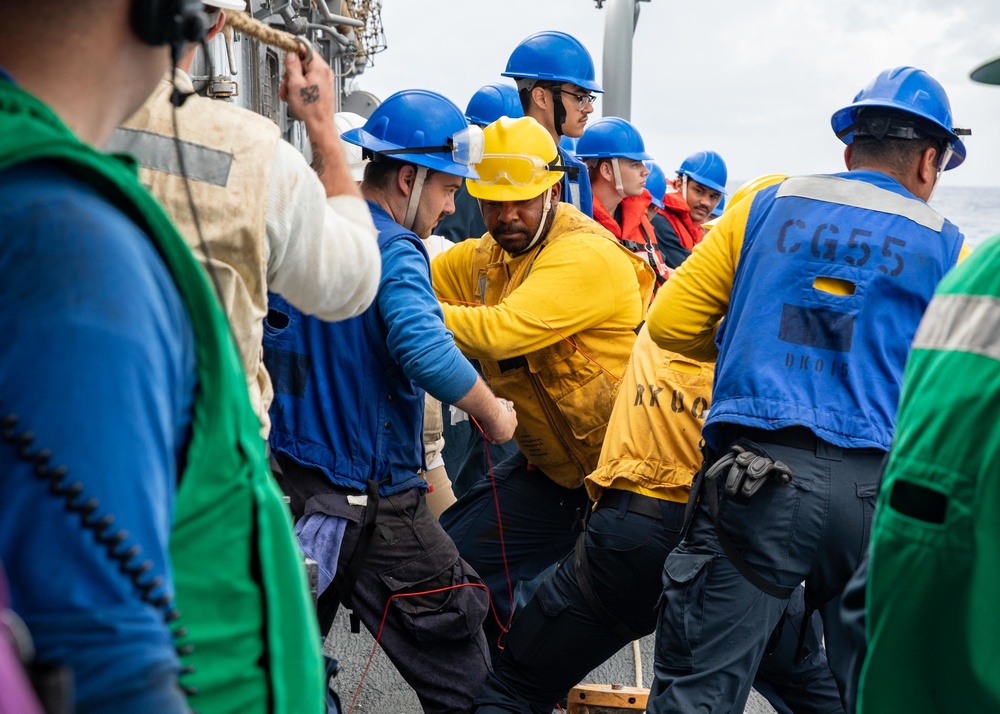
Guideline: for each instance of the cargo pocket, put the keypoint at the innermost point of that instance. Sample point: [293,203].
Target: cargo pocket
[578,386]
[682,607]
[533,622]
[453,614]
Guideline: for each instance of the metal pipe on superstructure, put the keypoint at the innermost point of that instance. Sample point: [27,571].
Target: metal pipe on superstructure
[340,39]
[324,10]
[619,26]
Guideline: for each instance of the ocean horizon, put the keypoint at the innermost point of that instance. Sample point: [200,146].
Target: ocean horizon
[974,209]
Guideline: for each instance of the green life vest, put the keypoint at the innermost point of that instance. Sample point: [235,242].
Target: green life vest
[238,576]
[935,554]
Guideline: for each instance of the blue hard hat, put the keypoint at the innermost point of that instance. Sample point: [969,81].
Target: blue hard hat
[568,143]
[719,207]
[908,90]
[493,101]
[553,56]
[612,137]
[707,168]
[415,119]
[656,183]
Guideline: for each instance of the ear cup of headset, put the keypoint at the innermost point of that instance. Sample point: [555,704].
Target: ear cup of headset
[169,22]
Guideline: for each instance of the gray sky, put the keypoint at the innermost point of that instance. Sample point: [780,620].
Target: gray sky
[757,84]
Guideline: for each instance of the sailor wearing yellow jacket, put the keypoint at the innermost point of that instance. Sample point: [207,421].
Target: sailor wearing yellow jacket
[549,303]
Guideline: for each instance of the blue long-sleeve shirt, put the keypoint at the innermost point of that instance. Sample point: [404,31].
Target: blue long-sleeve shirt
[97,360]
[416,336]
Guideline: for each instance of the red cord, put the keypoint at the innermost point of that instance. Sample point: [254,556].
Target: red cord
[493,610]
[385,616]
[496,501]
[503,546]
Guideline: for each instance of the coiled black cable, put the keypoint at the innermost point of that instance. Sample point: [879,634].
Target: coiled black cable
[114,542]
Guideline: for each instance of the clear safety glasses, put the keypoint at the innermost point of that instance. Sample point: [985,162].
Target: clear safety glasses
[516,169]
[945,158]
[582,100]
[466,147]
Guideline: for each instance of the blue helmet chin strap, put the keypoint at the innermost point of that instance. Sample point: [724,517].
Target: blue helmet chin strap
[558,109]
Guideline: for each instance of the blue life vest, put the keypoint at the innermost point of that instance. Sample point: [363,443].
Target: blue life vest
[577,191]
[341,403]
[793,353]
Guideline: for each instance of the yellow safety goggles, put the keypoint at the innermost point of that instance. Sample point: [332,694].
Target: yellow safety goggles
[516,169]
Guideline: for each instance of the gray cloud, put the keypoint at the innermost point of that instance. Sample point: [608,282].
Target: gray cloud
[755,81]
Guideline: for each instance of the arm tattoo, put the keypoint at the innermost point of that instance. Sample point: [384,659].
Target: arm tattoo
[317,159]
[309,94]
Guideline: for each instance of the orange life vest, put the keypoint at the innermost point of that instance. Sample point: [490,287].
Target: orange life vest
[635,232]
[677,211]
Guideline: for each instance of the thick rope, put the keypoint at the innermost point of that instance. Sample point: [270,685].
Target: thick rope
[243,23]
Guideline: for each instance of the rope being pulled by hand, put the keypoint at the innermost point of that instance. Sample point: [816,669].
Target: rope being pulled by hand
[243,23]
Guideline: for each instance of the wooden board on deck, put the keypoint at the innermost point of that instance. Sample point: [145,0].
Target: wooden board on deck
[584,698]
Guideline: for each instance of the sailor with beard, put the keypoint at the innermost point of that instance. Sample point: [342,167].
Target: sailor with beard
[548,302]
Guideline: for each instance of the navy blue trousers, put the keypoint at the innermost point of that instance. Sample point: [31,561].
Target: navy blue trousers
[713,623]
[540,521]
[465,452]
[556,639]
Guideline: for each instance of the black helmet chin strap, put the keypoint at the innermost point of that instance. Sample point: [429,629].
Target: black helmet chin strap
[558,109]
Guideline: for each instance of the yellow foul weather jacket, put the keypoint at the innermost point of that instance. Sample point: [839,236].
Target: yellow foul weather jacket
[552,328]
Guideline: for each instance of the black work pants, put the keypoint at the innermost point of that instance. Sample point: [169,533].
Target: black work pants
[558,638]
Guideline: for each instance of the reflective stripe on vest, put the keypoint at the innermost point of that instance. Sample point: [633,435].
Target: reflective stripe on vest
[832,189]
[961,323]
[228,152]
[159,153]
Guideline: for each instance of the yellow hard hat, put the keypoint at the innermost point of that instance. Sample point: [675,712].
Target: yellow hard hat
[520,161]
[748,189]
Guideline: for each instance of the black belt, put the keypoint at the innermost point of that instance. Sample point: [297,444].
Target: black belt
[637,503]
[796,437]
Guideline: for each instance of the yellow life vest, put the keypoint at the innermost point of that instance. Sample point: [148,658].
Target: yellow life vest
[653,442]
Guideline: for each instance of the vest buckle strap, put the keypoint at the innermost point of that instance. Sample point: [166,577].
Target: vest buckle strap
[506,365]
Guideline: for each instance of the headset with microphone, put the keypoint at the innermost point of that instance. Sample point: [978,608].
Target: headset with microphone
[169,22]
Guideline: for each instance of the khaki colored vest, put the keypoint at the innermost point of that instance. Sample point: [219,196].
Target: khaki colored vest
[563,398]
[654,436]
[228,152]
